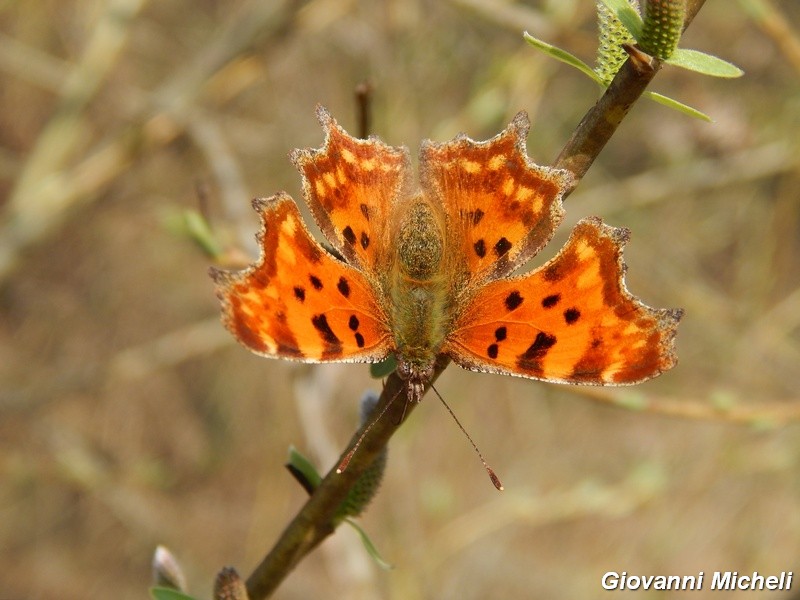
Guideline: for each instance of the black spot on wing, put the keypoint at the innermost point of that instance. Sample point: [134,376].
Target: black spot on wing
[364,210]
[492,351]
[551,301]
[502,246]
[554,273]
[538,349]
[571,315]
[315,282]
[364,240]
[343,287]
[513,300]
[300,293]
[500,334]
[349,236]
[353,324]
[480,248]
[530,360]
[320,323]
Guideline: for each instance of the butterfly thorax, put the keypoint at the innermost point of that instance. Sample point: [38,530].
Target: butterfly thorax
[418,288]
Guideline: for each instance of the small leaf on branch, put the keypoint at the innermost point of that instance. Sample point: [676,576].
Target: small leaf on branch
[384,368]
[563,56]
[303,471]
[679,106]
[369,546]
[700,62]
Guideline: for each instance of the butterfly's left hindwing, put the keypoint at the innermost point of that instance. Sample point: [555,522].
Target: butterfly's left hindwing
[298,301]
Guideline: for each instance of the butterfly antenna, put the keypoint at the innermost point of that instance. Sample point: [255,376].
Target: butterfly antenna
[492,475]
[346,460]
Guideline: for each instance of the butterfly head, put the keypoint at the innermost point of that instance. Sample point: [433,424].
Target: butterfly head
[416,378]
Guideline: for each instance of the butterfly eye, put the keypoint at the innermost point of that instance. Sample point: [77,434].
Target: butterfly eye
[427,373]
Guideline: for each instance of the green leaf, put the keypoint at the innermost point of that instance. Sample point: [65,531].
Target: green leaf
[627,15]
[383,368]
[191,224]
[200,231]
[370,547]
[563,56]
[685,109]
[694,60]
[302,465]
[162,593]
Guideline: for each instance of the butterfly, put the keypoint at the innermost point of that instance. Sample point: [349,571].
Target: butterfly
[419,271]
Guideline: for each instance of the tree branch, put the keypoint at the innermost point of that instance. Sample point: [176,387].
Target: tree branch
[314,522]
[602,120]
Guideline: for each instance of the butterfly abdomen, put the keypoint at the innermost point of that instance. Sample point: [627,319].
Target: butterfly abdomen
[418,285]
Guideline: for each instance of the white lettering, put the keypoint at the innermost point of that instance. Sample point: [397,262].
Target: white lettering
[722,581]
[613,580]
[757,580]
[687,582]
[610,580]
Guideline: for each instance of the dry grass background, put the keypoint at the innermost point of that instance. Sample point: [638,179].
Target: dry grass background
[128,417]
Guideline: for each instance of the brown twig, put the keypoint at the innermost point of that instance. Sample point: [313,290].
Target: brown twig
[314,522]
[363,95]
[602,120]
[768,413]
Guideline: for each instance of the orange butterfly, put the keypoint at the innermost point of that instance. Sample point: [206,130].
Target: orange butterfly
[426,271]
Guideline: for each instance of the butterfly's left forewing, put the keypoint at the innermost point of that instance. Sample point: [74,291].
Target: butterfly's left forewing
[298,301]
[570,321]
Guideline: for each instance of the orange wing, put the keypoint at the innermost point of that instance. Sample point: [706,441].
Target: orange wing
[501,208]
[298,301]
[351,185]
[570,321]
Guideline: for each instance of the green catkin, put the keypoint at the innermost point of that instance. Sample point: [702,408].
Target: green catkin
[610,54]
[362,493]
[663,24]
[367,485]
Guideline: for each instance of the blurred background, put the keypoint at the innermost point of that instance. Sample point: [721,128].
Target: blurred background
[130,418]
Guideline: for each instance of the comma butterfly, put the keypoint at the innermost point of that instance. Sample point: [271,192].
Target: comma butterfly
[419,272]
